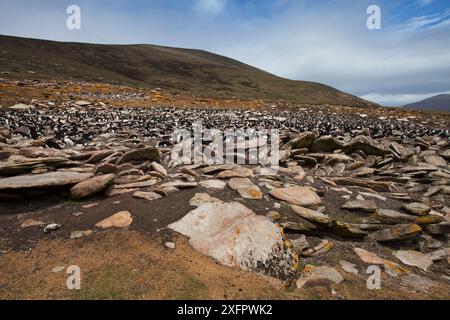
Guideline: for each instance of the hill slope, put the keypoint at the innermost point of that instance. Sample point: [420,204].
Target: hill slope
[179,70]
[436,103]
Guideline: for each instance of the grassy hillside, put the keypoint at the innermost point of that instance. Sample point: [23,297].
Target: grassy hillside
[178,70]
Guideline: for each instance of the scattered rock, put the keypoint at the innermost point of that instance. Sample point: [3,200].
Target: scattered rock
[360,205]
[31,223]
[414,258]
[246,188]
[144,154]
[91,186]
[416,208]
[318,276]
[158,168]
[170,245]
[417,283]
[201,198]
[118,220]
[274,215]
[300,244]
[348,267]
[302,196]
[213,184]
[80,234]
[321,249]
[179,184]
[399,232]
[311,215]
[149,196]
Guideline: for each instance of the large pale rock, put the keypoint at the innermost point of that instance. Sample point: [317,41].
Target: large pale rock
[52,179]
[301,196]
[235,236]
[414,258]
[91,186]
[318,276]
[118,220]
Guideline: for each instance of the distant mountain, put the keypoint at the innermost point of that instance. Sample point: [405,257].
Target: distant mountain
[436,103]
[187,71]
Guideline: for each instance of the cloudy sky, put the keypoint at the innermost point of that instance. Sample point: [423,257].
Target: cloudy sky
[324,41]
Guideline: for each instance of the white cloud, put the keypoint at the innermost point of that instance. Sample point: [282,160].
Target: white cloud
[211,6]
[425,2]
[426,21]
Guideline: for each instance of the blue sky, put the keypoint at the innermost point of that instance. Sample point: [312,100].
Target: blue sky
[324,41]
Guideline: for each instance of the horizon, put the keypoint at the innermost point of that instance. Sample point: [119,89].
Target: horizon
[405,61]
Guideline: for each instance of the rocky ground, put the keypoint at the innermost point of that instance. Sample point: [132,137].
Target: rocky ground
[87,179]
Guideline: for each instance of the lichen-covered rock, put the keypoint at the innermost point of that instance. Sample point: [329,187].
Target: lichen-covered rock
[235,236]
[398,232]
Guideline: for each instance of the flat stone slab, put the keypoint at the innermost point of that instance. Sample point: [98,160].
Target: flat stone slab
[52,179]
[91,186]
[311,215]
[213,184]
[301,196]
[414,258]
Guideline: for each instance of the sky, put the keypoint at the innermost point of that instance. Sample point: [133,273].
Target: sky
[325,41]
